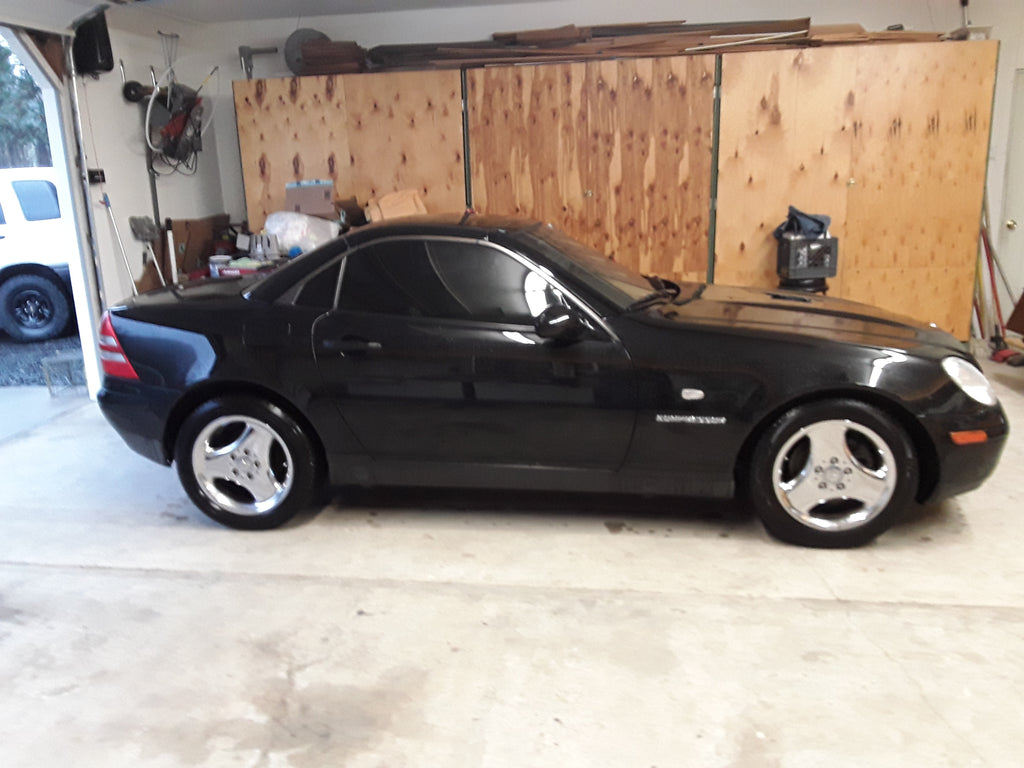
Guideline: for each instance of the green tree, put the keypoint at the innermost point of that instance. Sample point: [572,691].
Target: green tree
[23,138]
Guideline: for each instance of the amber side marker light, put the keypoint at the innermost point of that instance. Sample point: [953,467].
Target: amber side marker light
[969,437]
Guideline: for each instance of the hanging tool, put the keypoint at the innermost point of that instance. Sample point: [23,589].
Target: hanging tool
[173,257]
[105,202]
[985,225]
[980,310]
[145,230]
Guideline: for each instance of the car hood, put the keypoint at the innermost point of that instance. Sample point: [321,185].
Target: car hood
[797,313]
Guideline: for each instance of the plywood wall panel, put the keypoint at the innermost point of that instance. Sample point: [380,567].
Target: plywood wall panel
[890,140]
[650,125]
[289,129]
[528,140]
[617,153]
[405,132]
[919,157]
[785,139]
[370,134]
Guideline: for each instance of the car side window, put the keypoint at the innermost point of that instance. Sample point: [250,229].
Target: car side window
[321,288]
[490,284]
[383,278]
[445,279]
[38,199]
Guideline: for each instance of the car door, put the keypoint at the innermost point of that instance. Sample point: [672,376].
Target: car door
[431,355]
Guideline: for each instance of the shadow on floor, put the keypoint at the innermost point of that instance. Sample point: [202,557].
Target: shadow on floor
[618,513]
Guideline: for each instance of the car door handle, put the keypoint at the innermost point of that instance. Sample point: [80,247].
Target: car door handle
[351,345]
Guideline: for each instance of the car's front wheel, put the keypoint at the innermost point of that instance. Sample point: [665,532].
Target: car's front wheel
[245,463]
[832,474]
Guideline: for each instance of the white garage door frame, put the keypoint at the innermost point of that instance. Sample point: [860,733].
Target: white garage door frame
[59,103]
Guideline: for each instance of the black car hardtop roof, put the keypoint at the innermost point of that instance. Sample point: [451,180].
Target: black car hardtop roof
[440,224]
[443,224]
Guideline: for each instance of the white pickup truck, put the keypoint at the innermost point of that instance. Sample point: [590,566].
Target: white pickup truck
[35,289]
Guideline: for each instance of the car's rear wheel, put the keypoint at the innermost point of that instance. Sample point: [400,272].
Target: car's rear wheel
[245,463]
[832,474]
[33,308]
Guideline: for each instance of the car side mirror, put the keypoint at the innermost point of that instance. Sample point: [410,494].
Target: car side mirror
[560,323]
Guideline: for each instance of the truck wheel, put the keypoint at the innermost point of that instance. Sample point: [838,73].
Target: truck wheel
[33,308]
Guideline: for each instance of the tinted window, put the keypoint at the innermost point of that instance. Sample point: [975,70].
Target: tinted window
[379,278]
[2,216]
[443,279]
[320,290]
[38,199]
[599,273]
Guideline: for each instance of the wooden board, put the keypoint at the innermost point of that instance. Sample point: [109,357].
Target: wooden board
[528,142]
[617,153]
[889,140]
[785,140]
[371,134]
[650,124]
[405,132]
[919,159]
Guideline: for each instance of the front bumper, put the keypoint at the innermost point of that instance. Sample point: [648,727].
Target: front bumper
[963,468]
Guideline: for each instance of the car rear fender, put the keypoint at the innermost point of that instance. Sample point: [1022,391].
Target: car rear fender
[928,459]
[208,390]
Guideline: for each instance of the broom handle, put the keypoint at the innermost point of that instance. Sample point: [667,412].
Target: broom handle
[120,244]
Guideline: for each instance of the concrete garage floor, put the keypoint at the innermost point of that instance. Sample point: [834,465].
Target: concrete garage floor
[455,630]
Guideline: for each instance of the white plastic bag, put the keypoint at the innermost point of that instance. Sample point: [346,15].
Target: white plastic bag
[300,230]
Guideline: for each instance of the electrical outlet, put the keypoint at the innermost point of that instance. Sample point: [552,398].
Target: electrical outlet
[97,176]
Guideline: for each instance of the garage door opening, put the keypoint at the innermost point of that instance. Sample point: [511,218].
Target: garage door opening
[46,323]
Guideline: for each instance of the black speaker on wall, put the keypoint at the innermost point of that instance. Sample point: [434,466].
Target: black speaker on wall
[91,48]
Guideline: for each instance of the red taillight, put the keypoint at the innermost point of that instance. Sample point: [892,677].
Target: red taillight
[112,357]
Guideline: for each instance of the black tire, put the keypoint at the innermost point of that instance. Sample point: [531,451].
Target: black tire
[259,469]
[33,308]
[832,474]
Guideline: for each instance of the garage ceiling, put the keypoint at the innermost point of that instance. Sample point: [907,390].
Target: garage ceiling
[60,15]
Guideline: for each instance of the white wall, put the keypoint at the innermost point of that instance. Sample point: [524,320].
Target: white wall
[116,136]
[113,138]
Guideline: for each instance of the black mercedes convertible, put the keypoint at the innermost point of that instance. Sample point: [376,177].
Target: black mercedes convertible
[476,351]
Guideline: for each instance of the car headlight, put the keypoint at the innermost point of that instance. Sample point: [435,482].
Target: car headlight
[970,380]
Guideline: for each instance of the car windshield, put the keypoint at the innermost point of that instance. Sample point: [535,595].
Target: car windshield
[621,286]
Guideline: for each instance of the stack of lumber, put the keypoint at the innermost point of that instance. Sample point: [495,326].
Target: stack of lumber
[332,57]
[572,43]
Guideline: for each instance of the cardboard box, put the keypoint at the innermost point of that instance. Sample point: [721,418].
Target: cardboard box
[404,202]
[314,197]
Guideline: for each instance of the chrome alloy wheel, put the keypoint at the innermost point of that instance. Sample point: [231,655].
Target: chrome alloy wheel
[834,475]
[242,465]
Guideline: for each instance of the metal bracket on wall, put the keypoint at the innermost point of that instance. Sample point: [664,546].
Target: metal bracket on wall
[245,54]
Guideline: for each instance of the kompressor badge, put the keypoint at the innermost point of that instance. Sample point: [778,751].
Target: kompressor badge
[676,418]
